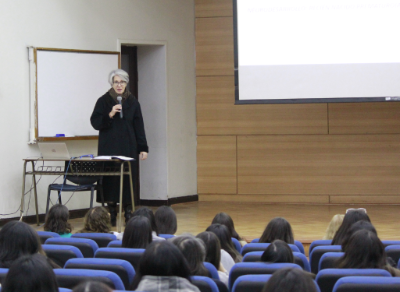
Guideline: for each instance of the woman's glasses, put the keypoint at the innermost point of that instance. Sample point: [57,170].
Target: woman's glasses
[119,83]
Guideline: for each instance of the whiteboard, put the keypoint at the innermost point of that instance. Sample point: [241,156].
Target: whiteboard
[68,86]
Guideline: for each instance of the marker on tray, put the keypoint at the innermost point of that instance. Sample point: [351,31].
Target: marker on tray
[60,135]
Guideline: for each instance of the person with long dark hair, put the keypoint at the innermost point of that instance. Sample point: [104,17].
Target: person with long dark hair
[290,280]
[278,252]
[166,220]
[92,286]
[359,225]
[57,221]
[225,219]
[277,228]
[349,219]
[137,233]
[30,273]
[163,268]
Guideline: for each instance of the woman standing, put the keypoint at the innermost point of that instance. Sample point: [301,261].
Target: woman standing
[119,135]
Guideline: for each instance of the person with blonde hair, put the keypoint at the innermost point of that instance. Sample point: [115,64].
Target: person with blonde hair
[333,226]
[97,220]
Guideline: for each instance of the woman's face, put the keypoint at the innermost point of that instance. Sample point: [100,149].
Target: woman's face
[119,84]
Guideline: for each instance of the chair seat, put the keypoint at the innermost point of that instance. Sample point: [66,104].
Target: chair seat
[70,188]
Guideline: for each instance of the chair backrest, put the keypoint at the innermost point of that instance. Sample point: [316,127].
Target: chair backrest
[115,243]
[390,242]
[254,283]
[44,235]
[122,268]
[237,244]
[132,255]
[393,251]
[102,239]
[299,259]
[252,257]
[88,247]
[317,253]
[319,242]
[327,278]
[241,269]
[213,270]
[81,167]
[69,278]
[166,236]
[60,254]
[296,243]
[262,247]
[3,274]
[367,284]
[328,260]
[204,284]
[64,290]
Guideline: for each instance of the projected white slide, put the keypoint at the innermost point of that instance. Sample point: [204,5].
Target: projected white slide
[305,49]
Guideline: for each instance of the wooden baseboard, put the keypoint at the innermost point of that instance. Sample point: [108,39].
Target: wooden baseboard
[170,201]
[31,219]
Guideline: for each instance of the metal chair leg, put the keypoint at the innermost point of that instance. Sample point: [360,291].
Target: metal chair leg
[91,196]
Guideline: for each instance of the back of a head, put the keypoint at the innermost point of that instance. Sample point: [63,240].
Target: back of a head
[290,280]
[92,286]
[364,250]
[221,231]
[213,247]
[225,219]
[146,212]
[166,222]
[17,239]
[137,233]
[359,225]
[349,219]
[277,228]
[57,220]
[97,220]
[30,274]
[278,252]
[193,250]
[333,226]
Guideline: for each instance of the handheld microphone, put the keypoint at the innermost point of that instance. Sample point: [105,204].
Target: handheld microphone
[119,98]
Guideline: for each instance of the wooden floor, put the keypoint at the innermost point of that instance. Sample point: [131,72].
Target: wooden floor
[309,222]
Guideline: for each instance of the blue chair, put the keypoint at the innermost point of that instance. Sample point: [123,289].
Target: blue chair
[299,258]
[237,244]
[296,243]
[320,242]
[69,278]
[44,235]
[204,283]
[393,251]
[328,260]
[166,236]
[64,290]
[390,242]
[60,254]
[102,239]
[241,269]
[213,271]
[88,247]
[317,253]
[121,267]
[261,247]
[3,274]
[115,243]
[254,283]
[327,278]
[132,255]
[367,284]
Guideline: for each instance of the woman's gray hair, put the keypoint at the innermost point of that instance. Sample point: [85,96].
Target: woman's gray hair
[121,73]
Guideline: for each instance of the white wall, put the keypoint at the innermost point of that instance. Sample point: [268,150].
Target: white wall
[95,25]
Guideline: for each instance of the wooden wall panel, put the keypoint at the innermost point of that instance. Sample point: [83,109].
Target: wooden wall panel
[216,164]
[214,46]
[319,164]
[297,199]
[218,115]
[213,8]
[364,118]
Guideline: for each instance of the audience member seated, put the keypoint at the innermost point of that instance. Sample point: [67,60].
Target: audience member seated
[278,252]
[18,239]
[146,212]
[194,251]
[222,232]
[137,233]
[97,220]
[213,254]
[277,228]
[31,273]
[57,221]
[163,268]
[364,250]
[92,286]
[290,280]
[360,225]
[225,219]
[351,217]
[166,220]
[333,226]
